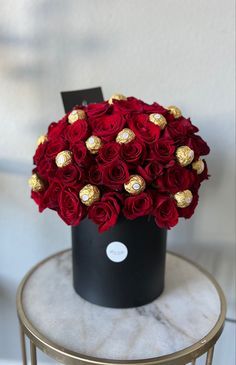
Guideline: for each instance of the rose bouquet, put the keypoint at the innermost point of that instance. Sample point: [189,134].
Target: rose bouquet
[120,157]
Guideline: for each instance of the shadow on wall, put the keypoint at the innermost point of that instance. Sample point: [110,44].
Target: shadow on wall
[47,46]
[15,167]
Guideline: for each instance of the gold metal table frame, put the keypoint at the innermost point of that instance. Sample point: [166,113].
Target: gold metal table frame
[65,356]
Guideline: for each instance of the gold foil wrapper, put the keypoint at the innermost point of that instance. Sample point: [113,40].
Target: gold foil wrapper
[125,136]
[63,158]
[158,119]
[36,183]
[135,185]
[116,97]
[198,166]
[76,115]
[176,112]
[93,144]
[183,198]
[89,194]
[42,139]
[184,155]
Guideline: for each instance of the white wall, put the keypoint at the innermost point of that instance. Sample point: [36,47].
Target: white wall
[177,52]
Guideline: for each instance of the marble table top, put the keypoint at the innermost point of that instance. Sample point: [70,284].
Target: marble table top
[186,312]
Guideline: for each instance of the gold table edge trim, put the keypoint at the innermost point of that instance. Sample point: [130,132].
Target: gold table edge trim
[61,354]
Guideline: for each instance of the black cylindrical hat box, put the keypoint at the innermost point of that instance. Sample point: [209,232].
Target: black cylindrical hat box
[122,267]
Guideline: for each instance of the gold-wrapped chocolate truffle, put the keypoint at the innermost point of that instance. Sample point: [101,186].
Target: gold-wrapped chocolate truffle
[36,183]
[93,144]
[125,136]
[42,139]
[63,158]
[89,194]
[135,185]
[116,97]
[183,198]
[176,112]
[198,166]
[158,119]
[184,155]
[76,115]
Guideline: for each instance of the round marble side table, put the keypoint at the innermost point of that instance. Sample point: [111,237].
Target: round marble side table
[181,325]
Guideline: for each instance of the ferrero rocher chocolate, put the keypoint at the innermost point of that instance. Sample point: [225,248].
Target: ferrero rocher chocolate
[36,183]
[135,185]
[198,166]
[76,115]
[184,155]
[176,112]
[63,158]
[93,144]
[125,136]
[183,198]
[158,119]
[116,97]
[42,139]
[89,194]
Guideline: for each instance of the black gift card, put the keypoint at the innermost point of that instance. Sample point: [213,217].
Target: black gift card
[81,97]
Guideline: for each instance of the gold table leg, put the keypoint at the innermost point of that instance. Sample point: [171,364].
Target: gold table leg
[210,356]
[194,362]
[33,354]
[23,348]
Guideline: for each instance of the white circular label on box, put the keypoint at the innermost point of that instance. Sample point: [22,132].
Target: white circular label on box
[116,251]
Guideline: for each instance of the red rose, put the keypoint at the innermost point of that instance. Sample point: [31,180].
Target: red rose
[151,171]
[38,197]
[154,108]
[198,145]
[94,175]
[144,130]
[175,179]
[81,154]
[77,131]
[134,105]
[179,129]
[46,157]
[58,130]
[54,147]
[188,212]
[165,213]
[40,153]
[71,210]
[97,110]
[199,178]
[163,150]
[204,175]
[109,152]
[131,105]
[105,212]
[51,196]
[133,152]
[108,126]
[70,175]
[138,205]
[115,174]
[46,168]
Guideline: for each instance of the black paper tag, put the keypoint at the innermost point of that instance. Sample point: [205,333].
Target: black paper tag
[81,97]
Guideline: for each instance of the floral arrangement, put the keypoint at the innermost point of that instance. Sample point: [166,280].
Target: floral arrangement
[120,157]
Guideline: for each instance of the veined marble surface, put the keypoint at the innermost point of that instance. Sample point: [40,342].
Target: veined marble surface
[185,313]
